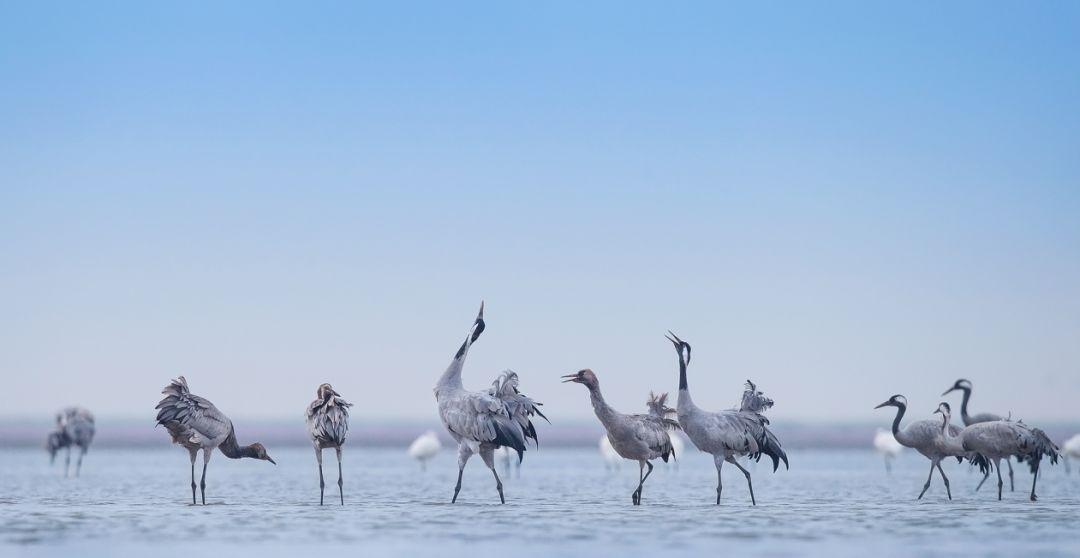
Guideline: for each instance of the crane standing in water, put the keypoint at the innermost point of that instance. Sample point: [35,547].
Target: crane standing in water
[481,422]
[727,434]
[638,438]
[328,424]
[968,419]
[196,424]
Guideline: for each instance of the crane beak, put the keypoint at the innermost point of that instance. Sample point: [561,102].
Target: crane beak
[674,338]
[480,316]
[885,404]
[271,460]
[336,394]
[571,378]
[948,391]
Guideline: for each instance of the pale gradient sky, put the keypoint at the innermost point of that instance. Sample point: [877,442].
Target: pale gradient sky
[839,203]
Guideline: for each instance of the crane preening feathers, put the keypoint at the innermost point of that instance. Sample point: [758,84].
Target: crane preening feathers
[328,424]
[195,423]
[483,421]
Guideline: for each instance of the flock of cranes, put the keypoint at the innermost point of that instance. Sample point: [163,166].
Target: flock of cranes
[985,440]
[499,421]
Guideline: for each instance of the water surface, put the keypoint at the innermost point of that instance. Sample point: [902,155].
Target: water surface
[130,502]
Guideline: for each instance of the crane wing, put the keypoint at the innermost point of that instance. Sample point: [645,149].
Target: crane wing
[328,421]
[653,432]
[188,417]
[748,433]
[754,401]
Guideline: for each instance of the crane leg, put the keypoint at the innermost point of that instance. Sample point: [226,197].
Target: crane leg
[946,479]
[193,454]
[927,485]
[78,463]
[488,455]
[498,485]
[1034,479]
[322,483]
[1000,482]
[719,478]
[202,482]
[636,497]
[888,465]
[986,475]
[67,462]
[1012,485]
[747,474]
[340,482]
[464,453]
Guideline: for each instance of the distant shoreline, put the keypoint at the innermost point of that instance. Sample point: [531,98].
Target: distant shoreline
[15,433]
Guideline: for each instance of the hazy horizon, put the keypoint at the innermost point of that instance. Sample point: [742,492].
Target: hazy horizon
[838,204]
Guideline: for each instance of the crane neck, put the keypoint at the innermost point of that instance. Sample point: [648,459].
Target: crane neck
[603,411]
[900,410]
[451,378]
[682,374]
[229,448]
[964,407]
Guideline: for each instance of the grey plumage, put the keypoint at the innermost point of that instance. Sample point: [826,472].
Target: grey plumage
[1001,439]
[328,425]
[196,424]
[968,419]
[481,422]
[636,437]
[927,437]
[74,427]
[729,434]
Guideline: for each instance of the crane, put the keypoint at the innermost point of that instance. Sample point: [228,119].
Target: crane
[727,434]
[969,419]
[638,438]
[483,421]
[328,425]
[196,424]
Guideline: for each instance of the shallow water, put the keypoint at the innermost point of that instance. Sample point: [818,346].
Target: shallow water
[129,502]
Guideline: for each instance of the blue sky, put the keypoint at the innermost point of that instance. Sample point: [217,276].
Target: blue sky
[840,202]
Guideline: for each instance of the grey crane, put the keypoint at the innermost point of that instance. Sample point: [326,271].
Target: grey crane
[926,437]
[1000,439]
[74,427]
[968,419]
[727,434]
[328,424]
[196,424]
[638,438]
[483,421]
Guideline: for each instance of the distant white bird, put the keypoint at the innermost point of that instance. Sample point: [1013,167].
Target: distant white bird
[968,419]
[1071,450]
[608,453]
[328,425]
[425,447]
[1001,439]
[195,423]
[483,421]
[74,427]
[505,455]
[640,438]
[887,446]
[728,434]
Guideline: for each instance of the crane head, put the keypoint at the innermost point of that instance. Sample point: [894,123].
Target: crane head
[585,377]
[326,391]
[259,452]
[681,347]
[961,384]
[894,401]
